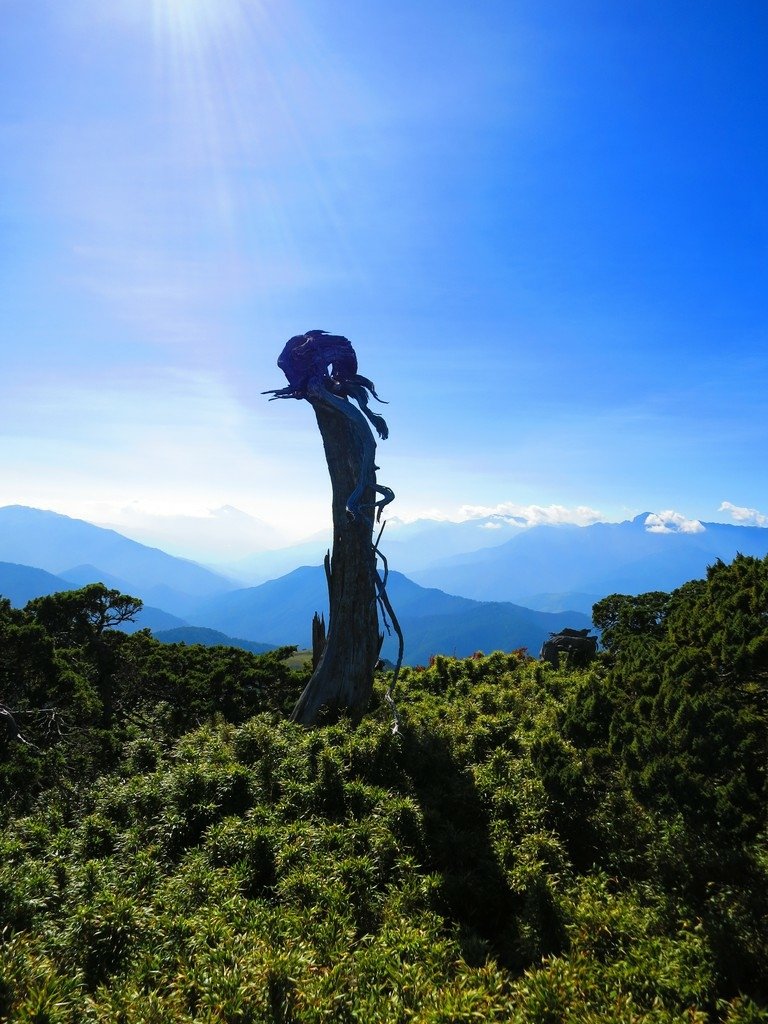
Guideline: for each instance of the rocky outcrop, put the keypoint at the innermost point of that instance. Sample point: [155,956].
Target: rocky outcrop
[577,644]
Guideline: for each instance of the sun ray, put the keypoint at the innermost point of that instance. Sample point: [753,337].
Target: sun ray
[255,114]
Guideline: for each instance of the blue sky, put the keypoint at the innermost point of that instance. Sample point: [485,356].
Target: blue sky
[543,227]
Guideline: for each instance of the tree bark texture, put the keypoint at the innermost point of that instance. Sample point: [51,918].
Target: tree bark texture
[342,681]
[321,368]
[318,638]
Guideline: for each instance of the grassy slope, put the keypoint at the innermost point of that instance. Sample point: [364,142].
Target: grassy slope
[477,867]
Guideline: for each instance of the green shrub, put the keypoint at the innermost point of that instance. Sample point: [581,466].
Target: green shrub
[533,845]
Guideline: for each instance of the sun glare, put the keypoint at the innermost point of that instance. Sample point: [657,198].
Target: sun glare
[246,88]
[190,18]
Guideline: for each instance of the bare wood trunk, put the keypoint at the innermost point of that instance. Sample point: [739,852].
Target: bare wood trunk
[342,681]
[318,639]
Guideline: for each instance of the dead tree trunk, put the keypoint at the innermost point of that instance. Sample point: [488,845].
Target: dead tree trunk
[342,681]
[342,678]
[318,639]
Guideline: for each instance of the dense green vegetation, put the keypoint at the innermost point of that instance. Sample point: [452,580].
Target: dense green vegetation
[534,845]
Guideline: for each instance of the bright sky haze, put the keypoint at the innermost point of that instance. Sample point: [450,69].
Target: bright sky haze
[543,226]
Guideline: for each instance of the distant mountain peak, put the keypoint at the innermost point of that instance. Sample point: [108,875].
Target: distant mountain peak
[652,551]
[61,544]
[672,522]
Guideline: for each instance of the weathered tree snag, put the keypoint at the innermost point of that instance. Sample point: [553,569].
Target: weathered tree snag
[318,639]
[342,680]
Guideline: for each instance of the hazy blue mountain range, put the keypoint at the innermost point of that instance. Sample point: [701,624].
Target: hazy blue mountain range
[22,583]
[560,570]
[81,575]
[220,535]
[409,546]
[412,546]
[208,638]
[73,549]
[550,566]
[281,610]
[269,565]
[154,619]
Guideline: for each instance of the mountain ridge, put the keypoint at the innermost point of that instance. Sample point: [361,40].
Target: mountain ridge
[55,543]
[599,559]
[433,622]
[280,612]
[23,583]
[559,570]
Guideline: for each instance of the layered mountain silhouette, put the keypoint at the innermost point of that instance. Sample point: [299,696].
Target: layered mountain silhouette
[75,550]
[547,567]
[433,622]
[280,612]
[22,583]
[573,566]
[409,546]
[456,599]
[208,638]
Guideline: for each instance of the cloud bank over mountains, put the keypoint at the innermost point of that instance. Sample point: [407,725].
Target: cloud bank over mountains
[226,535]
[534,515]
[525,516]
[672,522]
[747,516]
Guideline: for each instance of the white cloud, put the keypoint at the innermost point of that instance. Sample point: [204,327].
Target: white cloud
[744,515]
[672,522]
[535,515]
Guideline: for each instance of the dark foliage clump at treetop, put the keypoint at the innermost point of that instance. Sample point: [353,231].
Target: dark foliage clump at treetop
[535,845]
